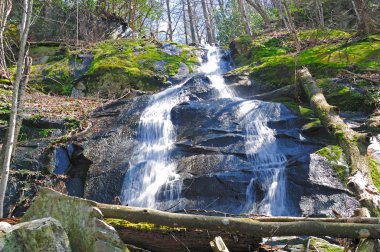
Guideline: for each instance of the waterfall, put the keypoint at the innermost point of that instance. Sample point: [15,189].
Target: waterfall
[266,192]
[151,168]
[268,166]
[152,180]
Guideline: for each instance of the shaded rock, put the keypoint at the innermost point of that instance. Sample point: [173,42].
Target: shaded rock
[45,234]
[171,49]
[23,186]
[159,65]
[78,90]
[80,218]
[182,73]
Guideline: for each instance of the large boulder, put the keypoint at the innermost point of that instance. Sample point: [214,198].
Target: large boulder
[45,234]
[80,218]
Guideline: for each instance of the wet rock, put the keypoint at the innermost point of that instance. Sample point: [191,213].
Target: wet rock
[80,64]
[45,234]
[80,218]
[62,161]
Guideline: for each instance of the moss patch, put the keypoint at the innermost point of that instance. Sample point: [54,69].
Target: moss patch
[141,226]
[117,65]
[333,154]
[297,108]
[373,166]
[272,60]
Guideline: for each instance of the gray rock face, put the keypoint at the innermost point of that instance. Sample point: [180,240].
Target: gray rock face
[211,157]
[45,234]
[159,65]
[183,72]
[171,49]
[80,218]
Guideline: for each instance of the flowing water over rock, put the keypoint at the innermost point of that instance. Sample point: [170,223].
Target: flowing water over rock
[197,145]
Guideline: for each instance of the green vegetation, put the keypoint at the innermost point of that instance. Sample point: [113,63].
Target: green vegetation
[117,65]
[71,124]
[140,226]
[272,60]
[295,107]
[373,166]
[333,154]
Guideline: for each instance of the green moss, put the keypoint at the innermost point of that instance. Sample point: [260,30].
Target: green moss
[373,166]
[71,124]
[43,133]
[295,107]
[140,226]
[323,34]
[333,154]
[273,62]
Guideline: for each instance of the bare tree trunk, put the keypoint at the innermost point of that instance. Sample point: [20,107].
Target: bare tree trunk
[184,21]
[259,8]
[21,98]
[244,18]
[24,31]
[354,144]
[170,29]
[191,20]
[206,15]
[5,9]
[320,15]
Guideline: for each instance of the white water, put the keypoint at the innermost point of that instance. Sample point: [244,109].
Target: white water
[151,167]
[268,165]
[152,175]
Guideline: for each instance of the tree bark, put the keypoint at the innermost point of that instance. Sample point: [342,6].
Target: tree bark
[5,9]
[206,15]
[170,29]
[366,24]
[244,18]
[258,7]
[24,31]
[184,21]
[354,144]
[191,21]
[241,225]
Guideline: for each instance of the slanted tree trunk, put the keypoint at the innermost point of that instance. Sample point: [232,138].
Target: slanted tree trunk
[241,225]
[366,23]
[354,144]
[24,31]
[191,21]
[259,8]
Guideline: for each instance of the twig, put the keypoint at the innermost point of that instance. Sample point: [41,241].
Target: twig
[361,77]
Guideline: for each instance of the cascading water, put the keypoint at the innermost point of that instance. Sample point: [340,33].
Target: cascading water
[152,180]
[268,165]
[151,167]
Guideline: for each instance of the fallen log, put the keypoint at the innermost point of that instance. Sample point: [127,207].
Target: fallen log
[179,239]
[241,225]
[354,144]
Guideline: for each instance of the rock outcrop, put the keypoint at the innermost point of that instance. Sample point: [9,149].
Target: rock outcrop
[45,234]
[80,218]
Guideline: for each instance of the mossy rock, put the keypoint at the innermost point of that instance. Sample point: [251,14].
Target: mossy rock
[334,154]
[272,60]
[80,218]
[116,66]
